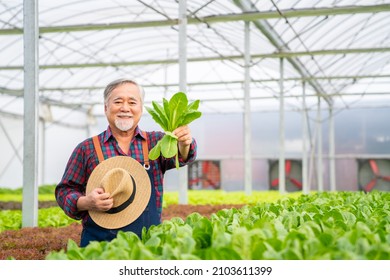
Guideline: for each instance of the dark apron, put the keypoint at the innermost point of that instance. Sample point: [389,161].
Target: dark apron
[92,232]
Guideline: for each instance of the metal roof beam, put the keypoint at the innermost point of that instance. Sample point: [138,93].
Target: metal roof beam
[265,97]
[307,12]
[19,92]
[86,106]
[12,92]
[292,96]
[284,53]
[246,16]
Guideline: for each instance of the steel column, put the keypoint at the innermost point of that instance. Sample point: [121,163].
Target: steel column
[305,185]
[320,180]
[332,166]
[183,171]
[282,173]
[30,126]
[247,115]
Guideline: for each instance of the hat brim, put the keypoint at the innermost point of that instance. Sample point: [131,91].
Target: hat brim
[142,195]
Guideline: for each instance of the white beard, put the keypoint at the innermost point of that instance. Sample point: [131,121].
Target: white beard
[124,124]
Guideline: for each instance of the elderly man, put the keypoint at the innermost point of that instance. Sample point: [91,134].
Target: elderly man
[123,106]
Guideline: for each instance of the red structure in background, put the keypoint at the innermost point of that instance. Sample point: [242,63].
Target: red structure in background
[293,175]
[372,174]
[204,175]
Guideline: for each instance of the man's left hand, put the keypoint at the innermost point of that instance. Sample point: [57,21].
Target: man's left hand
[184,139]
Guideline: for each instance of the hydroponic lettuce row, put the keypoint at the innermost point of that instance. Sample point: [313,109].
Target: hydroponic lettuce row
[170,115]
[331,226]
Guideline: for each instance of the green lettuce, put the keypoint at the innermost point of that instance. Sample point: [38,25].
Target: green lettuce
[170,115]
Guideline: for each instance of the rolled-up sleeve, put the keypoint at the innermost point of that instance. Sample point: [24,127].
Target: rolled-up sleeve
[191,154]
[72,185]
[67,200]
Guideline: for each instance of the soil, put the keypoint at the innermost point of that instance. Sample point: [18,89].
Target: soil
[35,243]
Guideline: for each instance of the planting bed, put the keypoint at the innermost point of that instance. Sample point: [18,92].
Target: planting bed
[36,243]
[318,226]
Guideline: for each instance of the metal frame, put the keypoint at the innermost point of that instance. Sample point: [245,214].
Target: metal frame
[246,60]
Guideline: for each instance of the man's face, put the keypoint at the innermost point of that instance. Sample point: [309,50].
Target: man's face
[124,107]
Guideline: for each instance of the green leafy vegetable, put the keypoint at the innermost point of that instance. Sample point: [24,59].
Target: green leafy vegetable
[170,115]
[319,226]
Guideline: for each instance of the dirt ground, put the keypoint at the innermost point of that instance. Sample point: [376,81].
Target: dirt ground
[36,243]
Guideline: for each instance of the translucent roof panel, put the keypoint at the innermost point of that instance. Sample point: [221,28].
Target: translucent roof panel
[339,50]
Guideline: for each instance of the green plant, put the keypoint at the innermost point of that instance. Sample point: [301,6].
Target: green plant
[48,217]
[331,226]
[172,114]
[45,193]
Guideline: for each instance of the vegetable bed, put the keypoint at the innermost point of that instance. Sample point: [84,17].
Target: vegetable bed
[220,225]
[341,225]
[35,243]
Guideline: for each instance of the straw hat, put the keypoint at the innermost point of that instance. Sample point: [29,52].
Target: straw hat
[128,184]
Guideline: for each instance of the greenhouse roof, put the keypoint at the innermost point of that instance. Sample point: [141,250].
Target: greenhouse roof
[338,50]
[237,56]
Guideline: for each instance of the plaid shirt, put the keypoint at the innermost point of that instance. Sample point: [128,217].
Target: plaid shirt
[84,159]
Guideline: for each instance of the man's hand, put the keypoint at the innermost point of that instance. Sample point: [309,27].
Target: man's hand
[96,200]
[184,139]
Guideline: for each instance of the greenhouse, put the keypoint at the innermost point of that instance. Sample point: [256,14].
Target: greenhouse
[294,95]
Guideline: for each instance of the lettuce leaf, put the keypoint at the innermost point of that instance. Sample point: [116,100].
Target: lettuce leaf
[170,115]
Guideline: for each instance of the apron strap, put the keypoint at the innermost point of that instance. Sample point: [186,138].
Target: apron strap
[98,148]
[145,149]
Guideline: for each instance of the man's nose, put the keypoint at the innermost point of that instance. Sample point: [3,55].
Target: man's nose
[125,107]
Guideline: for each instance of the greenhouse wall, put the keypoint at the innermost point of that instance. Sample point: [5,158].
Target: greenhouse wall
[359,133]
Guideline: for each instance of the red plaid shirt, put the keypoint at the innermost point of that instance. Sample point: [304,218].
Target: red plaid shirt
[84,159]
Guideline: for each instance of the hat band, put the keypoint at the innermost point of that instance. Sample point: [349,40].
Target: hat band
[124,205]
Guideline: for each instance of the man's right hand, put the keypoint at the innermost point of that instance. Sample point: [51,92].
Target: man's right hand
[96,200]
